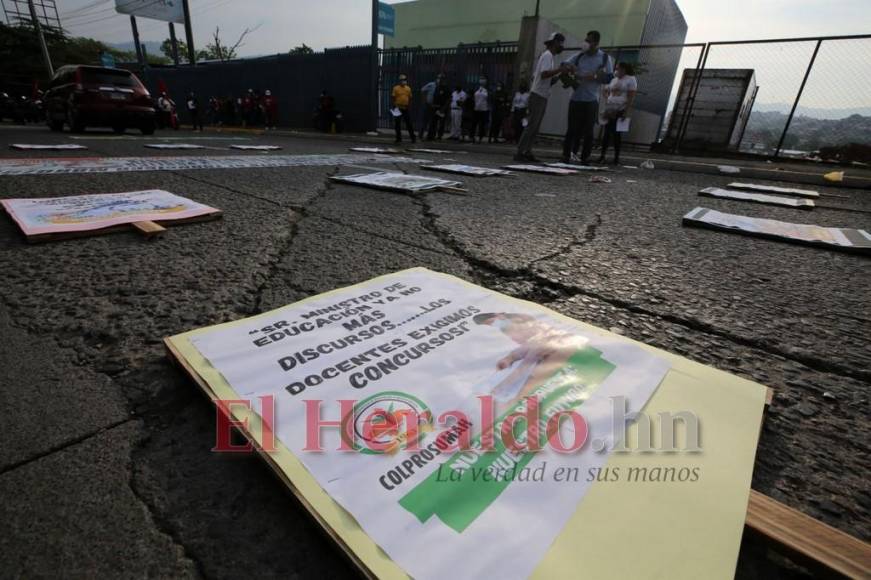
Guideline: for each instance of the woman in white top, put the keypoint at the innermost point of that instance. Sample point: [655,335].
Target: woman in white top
[482,111]
[620,95]
[458,98]
[519,109]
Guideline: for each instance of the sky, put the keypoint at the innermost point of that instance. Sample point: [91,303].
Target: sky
[320,24]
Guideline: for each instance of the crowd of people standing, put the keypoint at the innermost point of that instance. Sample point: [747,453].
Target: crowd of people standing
[602,94]
[252,109]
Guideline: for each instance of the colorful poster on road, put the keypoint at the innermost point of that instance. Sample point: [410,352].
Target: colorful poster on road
[57,215]
[542,169]
[256,147]
[773,189]
[467,170]
[397,181]
[418,371]
[847,239]
[173,146]
[67,165]
[42,147]
[756,198]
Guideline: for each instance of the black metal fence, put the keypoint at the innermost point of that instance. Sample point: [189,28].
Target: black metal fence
[462,66]
[296,81]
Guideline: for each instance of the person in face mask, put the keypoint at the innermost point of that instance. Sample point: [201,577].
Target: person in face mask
[482,110]
[593,69]
[545,72]
[499,110]
[402,104]
[621,95]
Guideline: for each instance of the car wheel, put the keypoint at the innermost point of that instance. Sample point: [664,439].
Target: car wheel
[147,128]
[76,125]
[119,129]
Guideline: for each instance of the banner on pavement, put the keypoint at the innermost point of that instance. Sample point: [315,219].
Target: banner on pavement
[542,169]
[124,164]
[773,189]
[79,213]
[411,402]
[61,147]
[173,146]
[845,239]
[256,147]
[467,170]
[166,10]
[757,198]
[397,182]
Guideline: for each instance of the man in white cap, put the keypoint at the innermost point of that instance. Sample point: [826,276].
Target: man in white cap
[546,72]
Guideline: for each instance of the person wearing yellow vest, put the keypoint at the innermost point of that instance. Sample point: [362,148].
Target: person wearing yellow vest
[402,109]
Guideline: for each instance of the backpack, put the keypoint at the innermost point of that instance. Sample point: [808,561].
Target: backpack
[608,77]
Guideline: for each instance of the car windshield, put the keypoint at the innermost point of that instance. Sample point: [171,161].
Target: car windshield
[108,77]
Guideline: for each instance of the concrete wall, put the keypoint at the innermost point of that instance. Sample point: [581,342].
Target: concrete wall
[446,23]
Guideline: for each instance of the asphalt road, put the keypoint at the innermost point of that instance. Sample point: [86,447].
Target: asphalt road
[105,465]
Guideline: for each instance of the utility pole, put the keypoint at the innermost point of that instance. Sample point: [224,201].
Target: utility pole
[537,8]
[174,43]
[189,33]
[139,56]
[46,57]
[373,85]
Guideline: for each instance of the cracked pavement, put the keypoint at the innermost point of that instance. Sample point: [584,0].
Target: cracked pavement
[106,467]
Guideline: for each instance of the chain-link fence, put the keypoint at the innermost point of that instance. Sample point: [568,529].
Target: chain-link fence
[807,98]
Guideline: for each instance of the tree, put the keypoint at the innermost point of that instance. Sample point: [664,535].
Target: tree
[166,49]
[302,49]
[217,50]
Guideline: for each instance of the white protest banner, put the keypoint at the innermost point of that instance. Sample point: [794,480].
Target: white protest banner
[846,239]
[397,182]
[577,167]
[166,10]
[374,150]
[467,170]
[773,189]
[385,359]
[173,146]
[67,165]
[256,147]
[56,215]
[62,147]
[757,198]
[542,169]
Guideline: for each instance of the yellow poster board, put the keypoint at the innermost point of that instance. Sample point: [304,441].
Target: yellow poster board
[622,529]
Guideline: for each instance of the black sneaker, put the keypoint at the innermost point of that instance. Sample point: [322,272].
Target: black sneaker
[520,158]
[532,158]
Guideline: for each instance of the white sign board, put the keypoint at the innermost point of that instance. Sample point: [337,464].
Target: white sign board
[846,239]
[166,10]
[773,189]
[58,215]
[256,147]
[467,170]
[418,344]
[173,146]
[757,198]
[397,181]
[63,147]
[541,169]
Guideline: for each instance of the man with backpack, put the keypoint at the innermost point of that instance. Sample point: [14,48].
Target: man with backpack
[592,68]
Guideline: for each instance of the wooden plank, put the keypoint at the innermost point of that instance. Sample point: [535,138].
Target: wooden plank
[149,229]
[38,239]
[809,541]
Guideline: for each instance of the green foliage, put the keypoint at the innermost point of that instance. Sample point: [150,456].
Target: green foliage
[302,49]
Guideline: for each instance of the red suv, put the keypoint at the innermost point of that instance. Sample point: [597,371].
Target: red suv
[91,96]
